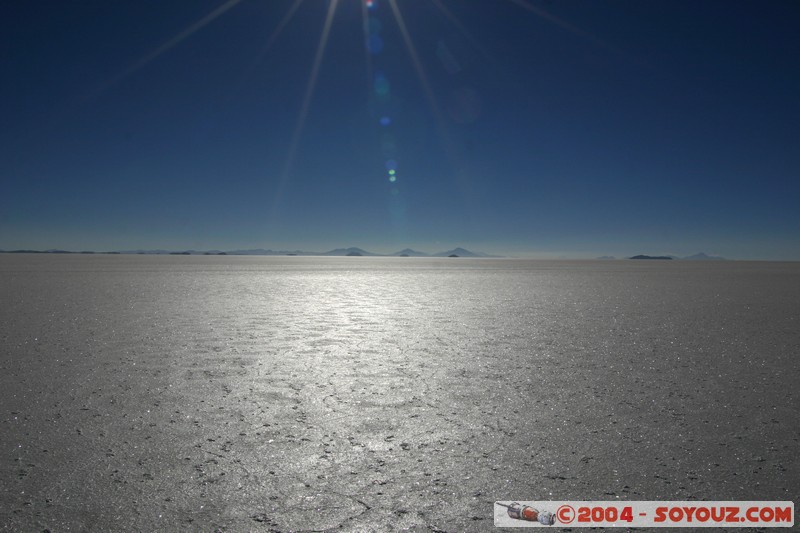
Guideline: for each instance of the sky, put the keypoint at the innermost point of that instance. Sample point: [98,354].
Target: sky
[552,128]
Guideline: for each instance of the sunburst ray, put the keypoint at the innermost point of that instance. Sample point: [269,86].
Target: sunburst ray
[171,43]
[306,103]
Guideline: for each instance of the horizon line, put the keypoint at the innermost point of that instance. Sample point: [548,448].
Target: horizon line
[358,251]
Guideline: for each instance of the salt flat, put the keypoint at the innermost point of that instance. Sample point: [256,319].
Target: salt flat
[144,393]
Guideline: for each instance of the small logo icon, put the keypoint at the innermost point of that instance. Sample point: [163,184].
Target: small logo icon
[528,513]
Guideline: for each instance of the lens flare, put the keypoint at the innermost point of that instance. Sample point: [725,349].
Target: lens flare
[381,85]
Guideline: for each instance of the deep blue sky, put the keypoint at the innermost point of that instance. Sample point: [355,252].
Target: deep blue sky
[571,128]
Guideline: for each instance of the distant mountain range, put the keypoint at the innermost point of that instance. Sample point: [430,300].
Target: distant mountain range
[344,252]
[408,252]
[353,251]
[696,257]
[337,252]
